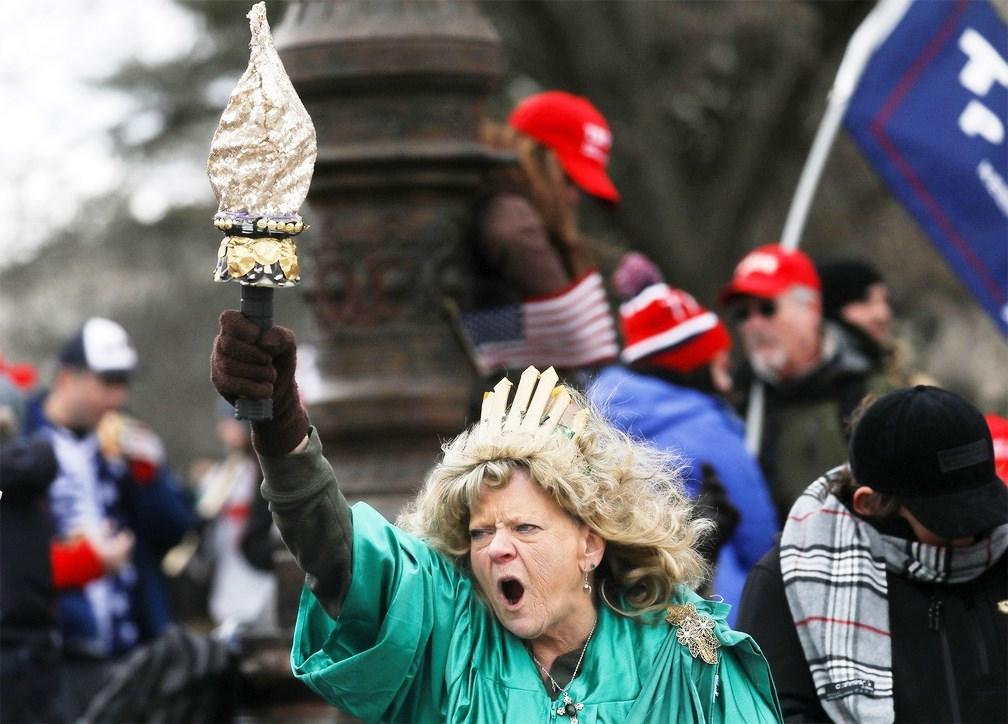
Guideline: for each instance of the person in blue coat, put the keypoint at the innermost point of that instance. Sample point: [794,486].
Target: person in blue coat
[669,391]
[111,480]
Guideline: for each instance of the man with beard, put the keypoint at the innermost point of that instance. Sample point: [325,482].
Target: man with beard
[812,373]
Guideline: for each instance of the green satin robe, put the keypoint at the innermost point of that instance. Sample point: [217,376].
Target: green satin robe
[413,643]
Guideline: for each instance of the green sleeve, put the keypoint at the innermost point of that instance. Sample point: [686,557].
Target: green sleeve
[313,518]
[389,655]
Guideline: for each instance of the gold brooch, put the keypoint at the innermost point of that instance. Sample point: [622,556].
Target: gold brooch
[696,631]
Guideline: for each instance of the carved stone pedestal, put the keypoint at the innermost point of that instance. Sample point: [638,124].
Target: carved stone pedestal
[396,92]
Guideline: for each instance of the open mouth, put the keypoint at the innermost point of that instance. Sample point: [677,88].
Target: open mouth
[512,590]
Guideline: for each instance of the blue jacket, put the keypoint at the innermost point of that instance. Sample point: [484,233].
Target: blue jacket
[158,514]
[701,428]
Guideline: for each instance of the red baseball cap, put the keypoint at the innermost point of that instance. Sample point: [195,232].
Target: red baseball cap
[768,271]
[999,432]
[667,327]
[576,132]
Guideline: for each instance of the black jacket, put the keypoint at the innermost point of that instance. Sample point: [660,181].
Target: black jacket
[949,646]
[27,596]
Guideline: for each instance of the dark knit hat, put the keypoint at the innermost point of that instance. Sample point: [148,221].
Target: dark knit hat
[844,281]
[933,450]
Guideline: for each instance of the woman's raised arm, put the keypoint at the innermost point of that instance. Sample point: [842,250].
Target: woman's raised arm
[299,484]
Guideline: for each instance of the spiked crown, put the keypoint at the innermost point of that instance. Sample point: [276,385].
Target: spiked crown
[541,414]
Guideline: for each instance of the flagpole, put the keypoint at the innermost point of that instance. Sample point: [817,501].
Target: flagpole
[871,33]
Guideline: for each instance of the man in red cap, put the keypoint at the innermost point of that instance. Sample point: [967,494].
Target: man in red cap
[812,373]
[670,391]
[540,299]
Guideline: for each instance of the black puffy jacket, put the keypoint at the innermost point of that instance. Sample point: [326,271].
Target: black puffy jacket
[27,596]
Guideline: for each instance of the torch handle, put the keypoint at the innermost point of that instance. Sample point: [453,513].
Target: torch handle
[257,305]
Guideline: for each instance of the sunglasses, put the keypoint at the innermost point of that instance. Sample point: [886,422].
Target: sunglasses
[763,307]
[115,378]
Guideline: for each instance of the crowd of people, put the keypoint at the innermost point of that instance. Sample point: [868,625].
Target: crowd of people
[96,530]
[750,511]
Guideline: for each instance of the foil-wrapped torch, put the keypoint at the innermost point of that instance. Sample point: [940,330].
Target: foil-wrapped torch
[261,161]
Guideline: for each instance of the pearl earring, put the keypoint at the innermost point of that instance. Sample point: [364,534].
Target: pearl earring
[587,586]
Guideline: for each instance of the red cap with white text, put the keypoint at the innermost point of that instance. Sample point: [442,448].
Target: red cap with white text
[769,271]
[576,132]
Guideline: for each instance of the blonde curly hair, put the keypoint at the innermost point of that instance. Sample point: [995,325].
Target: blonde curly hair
[629,493]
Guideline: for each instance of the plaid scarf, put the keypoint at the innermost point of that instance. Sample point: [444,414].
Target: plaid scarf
[834,568]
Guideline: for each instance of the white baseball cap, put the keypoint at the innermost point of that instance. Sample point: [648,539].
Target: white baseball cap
[101,346]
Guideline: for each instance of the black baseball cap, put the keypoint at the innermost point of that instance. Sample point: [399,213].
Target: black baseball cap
[933,450]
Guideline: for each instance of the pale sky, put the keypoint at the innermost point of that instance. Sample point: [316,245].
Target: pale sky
[54,150]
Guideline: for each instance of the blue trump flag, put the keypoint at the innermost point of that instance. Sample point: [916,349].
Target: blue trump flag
[930,113]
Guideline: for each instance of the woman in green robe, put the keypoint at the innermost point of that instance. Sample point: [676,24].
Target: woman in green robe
[544,572]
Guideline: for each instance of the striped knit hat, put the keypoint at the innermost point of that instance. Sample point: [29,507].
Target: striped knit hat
[666,327]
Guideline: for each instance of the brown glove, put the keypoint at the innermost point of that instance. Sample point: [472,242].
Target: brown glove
[245,363]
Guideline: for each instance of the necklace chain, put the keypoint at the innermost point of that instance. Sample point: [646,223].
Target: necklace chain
[577,666]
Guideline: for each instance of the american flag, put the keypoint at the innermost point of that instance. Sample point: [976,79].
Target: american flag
[569,328]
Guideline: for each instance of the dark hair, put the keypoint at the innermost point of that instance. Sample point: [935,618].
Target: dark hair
[697,379]
[842,484]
